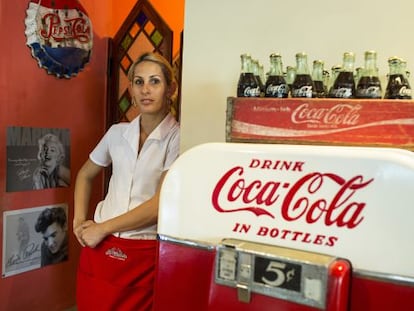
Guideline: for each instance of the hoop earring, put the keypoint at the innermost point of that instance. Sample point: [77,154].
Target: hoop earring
[134,103]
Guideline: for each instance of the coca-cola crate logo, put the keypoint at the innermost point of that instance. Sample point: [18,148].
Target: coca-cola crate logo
[286,193]
[342,114]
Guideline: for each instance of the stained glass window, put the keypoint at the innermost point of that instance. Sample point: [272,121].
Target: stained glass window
[144,32]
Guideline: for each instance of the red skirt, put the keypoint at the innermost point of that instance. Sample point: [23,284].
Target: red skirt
[117,275]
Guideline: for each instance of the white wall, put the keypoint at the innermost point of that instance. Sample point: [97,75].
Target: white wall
[216,32]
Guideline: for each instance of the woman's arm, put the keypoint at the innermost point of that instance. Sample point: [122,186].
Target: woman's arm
[83,187]
[144,215]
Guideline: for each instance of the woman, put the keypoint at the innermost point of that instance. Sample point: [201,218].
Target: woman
[117,263]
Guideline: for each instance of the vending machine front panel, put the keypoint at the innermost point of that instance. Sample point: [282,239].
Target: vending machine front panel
[349,205]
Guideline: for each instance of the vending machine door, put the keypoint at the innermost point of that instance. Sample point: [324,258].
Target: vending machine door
[184,274]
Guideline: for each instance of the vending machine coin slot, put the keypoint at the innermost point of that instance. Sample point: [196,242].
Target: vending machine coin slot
[294,275]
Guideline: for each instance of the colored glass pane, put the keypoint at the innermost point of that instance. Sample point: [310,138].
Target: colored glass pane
[141,44]
[163,48]
[123,83]
[156,38]
[126,42]
[149,28]
[134,30]
[142,18]
[125,63]
[124,104]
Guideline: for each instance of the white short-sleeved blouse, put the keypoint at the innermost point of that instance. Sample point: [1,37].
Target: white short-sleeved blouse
[135,176]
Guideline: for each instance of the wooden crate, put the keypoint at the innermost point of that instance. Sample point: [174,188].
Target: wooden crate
[385,123]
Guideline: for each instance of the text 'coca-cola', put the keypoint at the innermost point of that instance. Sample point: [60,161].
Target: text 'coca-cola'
[315,197]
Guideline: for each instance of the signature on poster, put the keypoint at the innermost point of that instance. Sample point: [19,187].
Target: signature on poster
[22,167]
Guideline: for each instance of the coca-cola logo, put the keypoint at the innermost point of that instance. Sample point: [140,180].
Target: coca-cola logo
[303,91]
[369,92]
[251,91]
[323,198]
[341,114]
[277,90]
[342,92]
[404,91]
[67,29]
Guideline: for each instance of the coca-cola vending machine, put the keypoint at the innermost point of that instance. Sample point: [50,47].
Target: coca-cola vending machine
[286,227]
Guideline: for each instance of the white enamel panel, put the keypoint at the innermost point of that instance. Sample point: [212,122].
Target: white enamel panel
[377,229]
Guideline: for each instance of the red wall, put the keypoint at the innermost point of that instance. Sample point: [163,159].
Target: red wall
[29,97]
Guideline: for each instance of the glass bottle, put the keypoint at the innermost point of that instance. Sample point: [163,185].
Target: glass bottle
[398,86]
[256,72]
[326,78]
[276,85]
[247,85]
[358,72]
[405,69]
[318,79]
[344,85]
[261,74]
[290,76]
[334,74]
[369,84]
[303,85]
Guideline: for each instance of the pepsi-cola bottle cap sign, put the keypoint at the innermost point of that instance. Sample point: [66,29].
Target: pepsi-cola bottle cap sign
[59,34]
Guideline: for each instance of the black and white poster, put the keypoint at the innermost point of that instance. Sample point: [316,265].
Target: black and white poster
[34,238]
[37,158]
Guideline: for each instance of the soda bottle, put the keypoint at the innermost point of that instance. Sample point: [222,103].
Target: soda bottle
[406,72]
[290,76]
[369,84]
[326,78]
[334,74]
[318,79]
[247,85]
[344,85]
[398,86]
[256,72]
[276,85]
[357,75]
[302,86]
[262,76]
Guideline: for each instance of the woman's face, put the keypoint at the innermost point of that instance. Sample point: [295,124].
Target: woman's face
[149,88]
[50,155]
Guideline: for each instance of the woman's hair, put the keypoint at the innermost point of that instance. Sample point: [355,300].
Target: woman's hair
[53,139]
[158,59]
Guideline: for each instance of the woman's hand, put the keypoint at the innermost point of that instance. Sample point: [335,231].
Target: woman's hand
[78,228]
[90,233]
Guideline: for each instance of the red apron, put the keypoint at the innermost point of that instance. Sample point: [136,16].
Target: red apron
[117,275]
